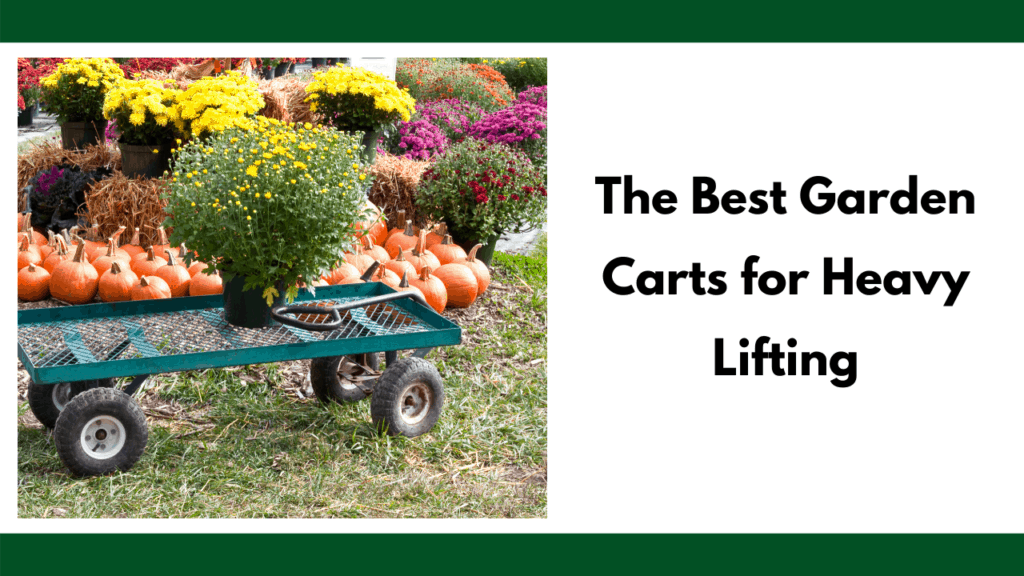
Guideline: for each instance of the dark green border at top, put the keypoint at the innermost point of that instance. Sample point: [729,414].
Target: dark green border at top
[512,21]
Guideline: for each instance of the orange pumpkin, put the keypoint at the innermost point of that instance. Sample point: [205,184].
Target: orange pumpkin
[162,244]
[432,288]
[358,259]
[59,254]
[134,247]
[400,225]
[26,228]
[113,253]
[27,253]
[340,273]
[478,268]
[351,280]
[405,241]
[33,283]
[117,282]
[203,284]
[436,236]
[145,264]
[94,253]
[47,249]
[460,284]
[151,288]
[404,286]
[75,281]
[378,253]
[422,257]
[175,275]
[386,276]
[94,241]
[399,265]
[447,252]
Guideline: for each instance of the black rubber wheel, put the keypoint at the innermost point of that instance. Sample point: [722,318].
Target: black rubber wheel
[100,431]
[408,398]
[47,401]
[371,360]
[329,387]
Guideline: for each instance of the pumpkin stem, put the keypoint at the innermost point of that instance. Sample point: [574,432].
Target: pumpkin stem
[405,279]
[447,240]
[171,260]
[51,243]
[32,268]
[408,229]
[115,267]
[471,257]
[400,220]
[425,273]
[421,244]
[401,256]
[117,236]
[182,252]
[143,282]
[26,239]
[162,235]
[150,255]
[111,246]
[67,234]
[135,238]
[80,251]
[26,221]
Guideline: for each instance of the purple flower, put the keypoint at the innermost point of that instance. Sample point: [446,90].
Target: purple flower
[47,179]
[421,140]
[522,125]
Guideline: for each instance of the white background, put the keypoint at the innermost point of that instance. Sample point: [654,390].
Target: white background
[643,436]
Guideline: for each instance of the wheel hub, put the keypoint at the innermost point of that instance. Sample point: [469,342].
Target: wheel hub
[103,437]
[61,395]
[416,401]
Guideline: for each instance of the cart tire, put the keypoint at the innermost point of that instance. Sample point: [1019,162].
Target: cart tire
[47,402]
[328,386]
[100,431]
[408,398]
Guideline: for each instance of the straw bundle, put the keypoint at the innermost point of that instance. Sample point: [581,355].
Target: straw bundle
[131,202]
[394,185]
[49,154]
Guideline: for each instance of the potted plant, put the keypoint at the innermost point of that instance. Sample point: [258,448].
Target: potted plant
[268,66]
[74,91]
[215,103]
[358,100]
[145,112]
[28,91]
[266,207]
[481,190]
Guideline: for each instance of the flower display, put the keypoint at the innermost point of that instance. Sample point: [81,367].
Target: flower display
[522,125]
[145,111]
[480,188]
[216,103]
[137,65]
[75,89]
[439,79]
[418,140]
[358,99]
[520,73]
[454,117]
[28,83]
[271,203]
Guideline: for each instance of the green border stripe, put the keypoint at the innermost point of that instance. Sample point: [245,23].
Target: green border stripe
[510,554]
[463,21]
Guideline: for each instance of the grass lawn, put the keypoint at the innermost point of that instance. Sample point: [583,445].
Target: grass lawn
[253,442]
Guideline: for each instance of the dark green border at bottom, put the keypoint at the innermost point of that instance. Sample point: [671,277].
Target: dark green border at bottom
[511,554]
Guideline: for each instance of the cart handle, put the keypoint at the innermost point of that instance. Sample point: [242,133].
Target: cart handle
[279,312]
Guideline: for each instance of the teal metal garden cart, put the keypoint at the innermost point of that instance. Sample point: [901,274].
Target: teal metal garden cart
[73,353]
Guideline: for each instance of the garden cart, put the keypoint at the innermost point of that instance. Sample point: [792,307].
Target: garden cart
[73,353]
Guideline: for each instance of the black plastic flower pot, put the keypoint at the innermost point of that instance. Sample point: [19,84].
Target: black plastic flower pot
[281,69]
[267,72]
[248,308]
[78,135]
[26,116]
[149,160]
[485,253]
[332,61]
[318,62]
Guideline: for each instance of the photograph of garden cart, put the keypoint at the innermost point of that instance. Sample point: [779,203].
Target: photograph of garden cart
[72,354]
[206,261]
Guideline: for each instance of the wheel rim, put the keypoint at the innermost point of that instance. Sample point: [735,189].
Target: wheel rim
[61,395]
[103,437]
[415,402]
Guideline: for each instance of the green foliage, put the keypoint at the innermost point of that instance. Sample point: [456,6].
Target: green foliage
[430,79]
[272,204]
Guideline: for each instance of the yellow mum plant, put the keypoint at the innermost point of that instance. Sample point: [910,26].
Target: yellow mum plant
[76,88]
[145,111]
[354,99]
[216,103]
